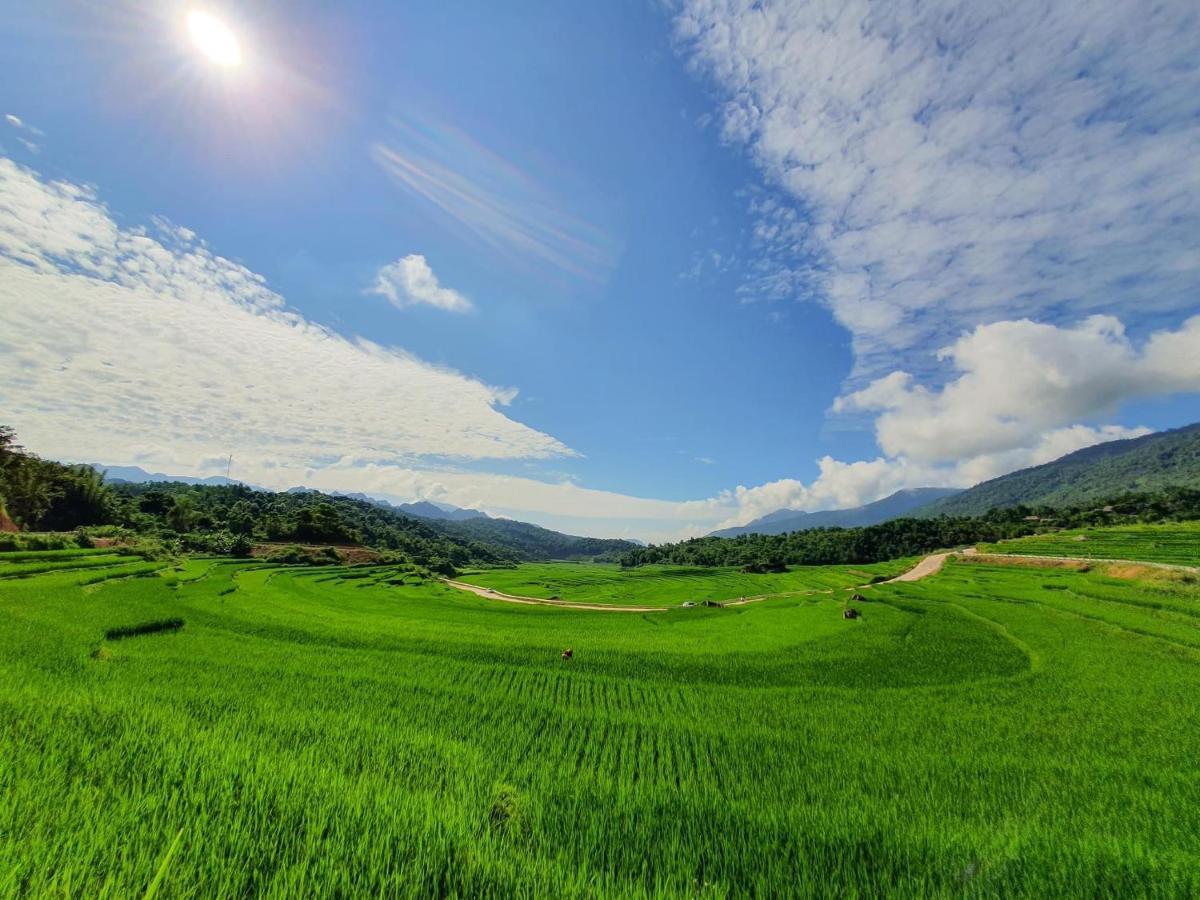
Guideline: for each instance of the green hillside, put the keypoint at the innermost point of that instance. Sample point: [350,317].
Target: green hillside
[531,542]
[1145,464]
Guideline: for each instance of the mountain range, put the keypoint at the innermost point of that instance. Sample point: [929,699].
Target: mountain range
[1148,463]
[428,510]
[525,540]
[1142,464]
[1102,471]
[138,475]
[892,507]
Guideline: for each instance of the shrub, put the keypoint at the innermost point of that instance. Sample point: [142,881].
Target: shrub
[127,631]
[38,541]
[295,555]
[241,546]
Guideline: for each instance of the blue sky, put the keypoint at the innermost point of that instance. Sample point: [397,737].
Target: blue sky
[623,268]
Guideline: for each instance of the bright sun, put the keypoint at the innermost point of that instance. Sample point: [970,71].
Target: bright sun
[214,39]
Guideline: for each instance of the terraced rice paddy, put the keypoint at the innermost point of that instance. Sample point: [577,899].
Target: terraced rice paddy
[1177,544]
[672,585]
[989,731]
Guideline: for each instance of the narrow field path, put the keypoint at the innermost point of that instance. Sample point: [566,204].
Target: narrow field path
[930,565]
[1090,560]
[490,594]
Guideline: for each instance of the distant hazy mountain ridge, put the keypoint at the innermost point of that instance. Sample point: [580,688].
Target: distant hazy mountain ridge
[784,520]
[138,475]
[428,510]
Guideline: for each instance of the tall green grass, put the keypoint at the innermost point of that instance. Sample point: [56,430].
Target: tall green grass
[992,731]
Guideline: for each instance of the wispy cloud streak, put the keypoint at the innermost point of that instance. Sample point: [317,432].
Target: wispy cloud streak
[499,204]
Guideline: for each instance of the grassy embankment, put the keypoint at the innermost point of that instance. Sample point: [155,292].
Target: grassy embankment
[1177,544]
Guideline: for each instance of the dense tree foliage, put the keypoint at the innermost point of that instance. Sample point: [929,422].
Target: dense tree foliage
[49,496]
[42,495]
[532,542]
[908,537]
[214,516]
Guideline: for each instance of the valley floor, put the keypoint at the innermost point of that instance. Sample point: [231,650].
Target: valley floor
[991,730]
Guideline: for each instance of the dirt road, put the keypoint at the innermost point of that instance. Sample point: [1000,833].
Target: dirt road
[930,565]
[489,594]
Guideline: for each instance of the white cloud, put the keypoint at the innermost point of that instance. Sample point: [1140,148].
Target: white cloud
[26,133]
[119,346]
[1019,381]
[112,339]
[847,484]
[939,168]
[410,281]
[940,164]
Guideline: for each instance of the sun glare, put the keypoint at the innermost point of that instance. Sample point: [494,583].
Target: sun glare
[214,39]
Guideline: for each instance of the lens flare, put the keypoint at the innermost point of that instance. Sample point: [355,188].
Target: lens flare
[214,39]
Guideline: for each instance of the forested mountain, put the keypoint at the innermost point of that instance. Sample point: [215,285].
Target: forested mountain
[784,520]
[43,495]
[422,508]
[532,541]
[911,536]
[1149,463]
[220,518]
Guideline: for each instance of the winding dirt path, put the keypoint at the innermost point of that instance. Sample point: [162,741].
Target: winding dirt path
[930,565]
[490,594]
[1018,558]
[927,566]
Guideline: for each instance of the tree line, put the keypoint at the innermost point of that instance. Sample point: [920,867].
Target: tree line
[910,537]
[43,495]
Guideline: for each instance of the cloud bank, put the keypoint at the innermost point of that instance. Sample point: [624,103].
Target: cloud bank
[1020,380]
[939,165]
[114,340]
[410,281]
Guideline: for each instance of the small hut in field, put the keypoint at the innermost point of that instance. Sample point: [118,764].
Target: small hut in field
[858,598]
[850,613]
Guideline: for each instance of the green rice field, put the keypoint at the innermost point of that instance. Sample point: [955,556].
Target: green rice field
[1177,543]
[672,585]
[991,731]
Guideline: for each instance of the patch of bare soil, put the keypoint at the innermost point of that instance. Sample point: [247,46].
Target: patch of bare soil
[349,553]
[1029,562]
[1140,572]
